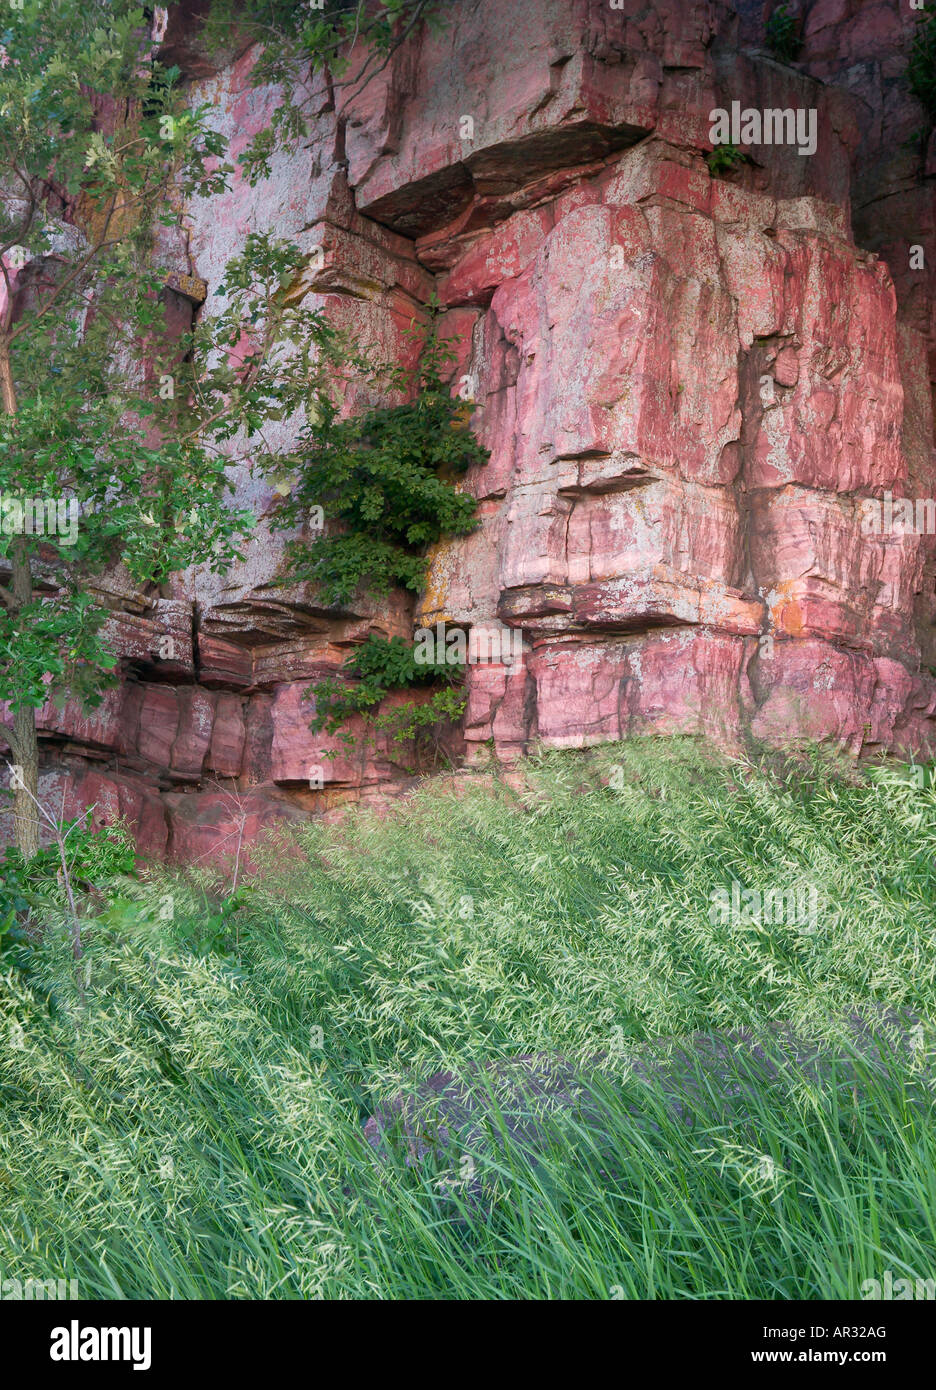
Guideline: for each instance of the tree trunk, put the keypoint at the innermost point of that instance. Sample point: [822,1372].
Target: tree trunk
[26,795]
[25,744]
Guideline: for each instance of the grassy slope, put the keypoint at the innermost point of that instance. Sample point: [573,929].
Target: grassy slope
[184,1135]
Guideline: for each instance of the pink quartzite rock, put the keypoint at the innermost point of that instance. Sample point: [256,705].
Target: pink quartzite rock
[691,386]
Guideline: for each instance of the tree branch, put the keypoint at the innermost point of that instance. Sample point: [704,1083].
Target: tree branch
[9,733]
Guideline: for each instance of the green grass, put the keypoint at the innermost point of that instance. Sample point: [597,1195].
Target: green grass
[181,1133]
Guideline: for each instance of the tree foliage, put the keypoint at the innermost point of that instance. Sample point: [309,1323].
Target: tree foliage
[101,413]
[131,430]
[338,45]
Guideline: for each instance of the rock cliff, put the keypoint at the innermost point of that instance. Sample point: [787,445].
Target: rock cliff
[691,383]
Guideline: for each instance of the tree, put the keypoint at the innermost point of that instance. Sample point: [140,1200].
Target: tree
[111,436]
[114,439]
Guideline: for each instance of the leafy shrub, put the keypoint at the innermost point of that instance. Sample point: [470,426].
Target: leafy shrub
[412,719]
[725,157]
[784,35]
[197,920]
[377,668]
[384,478]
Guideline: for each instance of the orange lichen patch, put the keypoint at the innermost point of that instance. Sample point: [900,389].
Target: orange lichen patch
[433,604]
[786,612]
[106,214]
[106,219]
[189,285]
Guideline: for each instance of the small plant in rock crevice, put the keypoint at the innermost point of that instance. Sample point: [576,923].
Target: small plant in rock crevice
[379,668]
[724,158]
[784,35]
[386,481]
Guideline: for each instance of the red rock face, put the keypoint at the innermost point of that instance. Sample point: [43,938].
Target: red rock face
[690,386]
